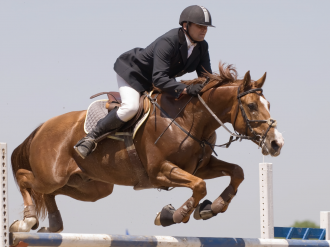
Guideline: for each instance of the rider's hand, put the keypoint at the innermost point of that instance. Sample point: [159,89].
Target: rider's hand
[194,89]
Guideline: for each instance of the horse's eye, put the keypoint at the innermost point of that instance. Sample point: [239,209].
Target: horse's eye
[253,106]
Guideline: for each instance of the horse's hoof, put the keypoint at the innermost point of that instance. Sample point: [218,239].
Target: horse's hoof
[165,217]
[197,216]
[47,230]
[23,225]
[157,220]
[203,211]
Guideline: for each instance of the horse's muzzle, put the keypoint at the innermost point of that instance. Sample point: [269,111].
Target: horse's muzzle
[273,143]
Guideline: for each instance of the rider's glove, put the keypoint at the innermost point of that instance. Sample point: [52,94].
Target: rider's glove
[194,89]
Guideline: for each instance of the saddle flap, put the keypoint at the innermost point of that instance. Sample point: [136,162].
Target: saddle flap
[146,104]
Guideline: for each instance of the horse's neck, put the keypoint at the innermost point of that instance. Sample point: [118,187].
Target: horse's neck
[195,117]
[221,101]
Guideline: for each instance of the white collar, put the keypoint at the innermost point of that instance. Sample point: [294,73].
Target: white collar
[189,43]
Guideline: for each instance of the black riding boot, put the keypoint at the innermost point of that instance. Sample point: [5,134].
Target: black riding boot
[109,123]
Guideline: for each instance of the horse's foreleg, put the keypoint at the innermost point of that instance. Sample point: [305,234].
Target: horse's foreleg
[218,168]
[54,216]
[172,176]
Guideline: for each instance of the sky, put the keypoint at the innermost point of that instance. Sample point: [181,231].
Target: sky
[55,54]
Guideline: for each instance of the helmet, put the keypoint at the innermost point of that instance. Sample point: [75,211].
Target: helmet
[196,14]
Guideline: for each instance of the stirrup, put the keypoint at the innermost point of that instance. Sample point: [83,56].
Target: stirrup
[81,142]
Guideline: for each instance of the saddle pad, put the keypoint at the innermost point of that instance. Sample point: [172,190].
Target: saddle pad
[95,112]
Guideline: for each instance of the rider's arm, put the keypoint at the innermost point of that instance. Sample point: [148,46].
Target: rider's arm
[163,51]
[205,63]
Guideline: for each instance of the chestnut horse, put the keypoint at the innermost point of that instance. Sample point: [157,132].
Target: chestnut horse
[46,165]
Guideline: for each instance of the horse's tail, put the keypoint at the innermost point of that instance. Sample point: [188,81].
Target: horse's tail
[20,160]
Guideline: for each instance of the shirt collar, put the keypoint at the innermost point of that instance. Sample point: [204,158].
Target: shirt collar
[189,43]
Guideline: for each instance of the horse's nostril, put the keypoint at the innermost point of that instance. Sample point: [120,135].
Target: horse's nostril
[275,146]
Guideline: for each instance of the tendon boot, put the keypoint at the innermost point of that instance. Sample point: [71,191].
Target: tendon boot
[109,123]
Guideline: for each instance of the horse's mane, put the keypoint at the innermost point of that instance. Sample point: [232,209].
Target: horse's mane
[227,75]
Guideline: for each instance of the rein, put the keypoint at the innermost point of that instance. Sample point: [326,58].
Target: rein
[256,137]
[271,122]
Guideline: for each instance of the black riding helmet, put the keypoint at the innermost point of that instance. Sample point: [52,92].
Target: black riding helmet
[195,14]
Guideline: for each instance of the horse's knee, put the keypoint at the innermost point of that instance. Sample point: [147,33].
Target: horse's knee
[200,188]
[238,173]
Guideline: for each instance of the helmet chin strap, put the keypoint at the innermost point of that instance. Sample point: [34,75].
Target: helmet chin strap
[187,32]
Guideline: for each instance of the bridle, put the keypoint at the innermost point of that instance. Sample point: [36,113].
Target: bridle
[271,122]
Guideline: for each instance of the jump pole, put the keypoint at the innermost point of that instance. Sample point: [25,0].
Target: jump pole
[4,230]
[105,240]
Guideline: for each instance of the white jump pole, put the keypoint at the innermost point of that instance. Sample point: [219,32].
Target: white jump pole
[266,200]
[325,223]
[4,231]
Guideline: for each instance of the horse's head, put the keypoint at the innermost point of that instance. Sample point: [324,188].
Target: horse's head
[257,122]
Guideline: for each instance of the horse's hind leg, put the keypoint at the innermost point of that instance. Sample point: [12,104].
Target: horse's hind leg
[30,220]
[54,216]
[31,187]
[218,168]
[172,176]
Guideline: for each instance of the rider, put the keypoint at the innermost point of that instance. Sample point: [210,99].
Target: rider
[173,54]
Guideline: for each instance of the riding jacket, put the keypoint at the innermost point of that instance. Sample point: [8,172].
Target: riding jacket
[162,61]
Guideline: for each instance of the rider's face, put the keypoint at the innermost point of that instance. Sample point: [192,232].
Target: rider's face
[197,32]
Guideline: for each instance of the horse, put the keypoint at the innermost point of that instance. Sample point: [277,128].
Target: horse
[46,164]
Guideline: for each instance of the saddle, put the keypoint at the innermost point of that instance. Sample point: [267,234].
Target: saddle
[115,101]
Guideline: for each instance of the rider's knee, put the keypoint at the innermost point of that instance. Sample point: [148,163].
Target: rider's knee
[128,111]
[132,110]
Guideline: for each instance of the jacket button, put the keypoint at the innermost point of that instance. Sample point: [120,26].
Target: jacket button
[179,62]
[176,91]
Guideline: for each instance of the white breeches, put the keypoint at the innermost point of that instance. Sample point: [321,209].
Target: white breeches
[130,100]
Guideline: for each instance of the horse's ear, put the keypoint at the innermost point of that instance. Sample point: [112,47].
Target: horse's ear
[246,82]
[259,83]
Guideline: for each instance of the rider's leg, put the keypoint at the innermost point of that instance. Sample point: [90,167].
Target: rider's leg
[129,98]
[114,120]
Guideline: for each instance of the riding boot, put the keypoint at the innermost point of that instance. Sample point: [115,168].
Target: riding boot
[110,123]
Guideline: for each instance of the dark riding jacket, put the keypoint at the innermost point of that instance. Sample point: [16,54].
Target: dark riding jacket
[162,61]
